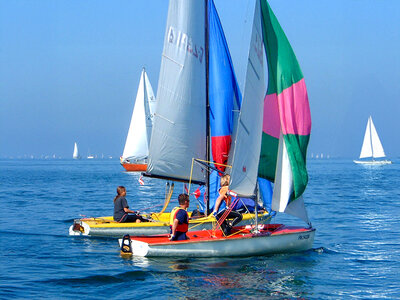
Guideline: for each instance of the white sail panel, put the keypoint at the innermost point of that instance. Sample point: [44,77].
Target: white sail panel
[366,149]
[297,208]
[377,149]
[136,142]
[75,155]
[247,145]
[179,130]
[283,186]
[149,106]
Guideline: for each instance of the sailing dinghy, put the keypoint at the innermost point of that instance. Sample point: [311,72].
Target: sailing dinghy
[372,147]
[180,134]
[259,125]
[134,157]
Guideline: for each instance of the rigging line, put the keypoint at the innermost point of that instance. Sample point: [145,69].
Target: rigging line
[227,212]
[200,222]
[190,178]
[211,162]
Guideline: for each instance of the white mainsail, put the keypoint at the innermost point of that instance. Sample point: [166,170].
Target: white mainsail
[75,155]
[246,154]
[372,146]
[138,139]
[179,131]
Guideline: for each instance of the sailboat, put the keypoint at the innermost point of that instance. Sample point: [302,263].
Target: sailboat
[372,147]
[270,140]
[76,155]
[183,128]
[134,157]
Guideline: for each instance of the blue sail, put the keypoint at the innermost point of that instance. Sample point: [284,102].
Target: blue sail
[224,92]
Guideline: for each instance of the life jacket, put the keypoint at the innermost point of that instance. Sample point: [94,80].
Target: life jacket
[184,227]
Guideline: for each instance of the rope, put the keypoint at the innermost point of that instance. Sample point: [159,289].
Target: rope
[202,222]
[167,200]
[227,211]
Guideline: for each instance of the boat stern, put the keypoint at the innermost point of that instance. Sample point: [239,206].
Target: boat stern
[79,228]
[132,247]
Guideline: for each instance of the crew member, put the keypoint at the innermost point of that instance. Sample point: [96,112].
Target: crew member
[179,219]
[122,211]
[224,196]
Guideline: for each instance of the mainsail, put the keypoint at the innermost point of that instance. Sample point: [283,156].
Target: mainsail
[180,129]
[194,46]
[138,138]
[286,115]
[246,154]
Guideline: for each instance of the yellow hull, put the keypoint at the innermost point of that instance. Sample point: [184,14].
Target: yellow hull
[107,227]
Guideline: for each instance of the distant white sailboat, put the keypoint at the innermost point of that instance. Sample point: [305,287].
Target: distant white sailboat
[76,155]
[372,147]
[134,157]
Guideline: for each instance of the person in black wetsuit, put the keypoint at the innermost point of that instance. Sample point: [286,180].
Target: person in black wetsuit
[224,196]
[179,219]
[121,209]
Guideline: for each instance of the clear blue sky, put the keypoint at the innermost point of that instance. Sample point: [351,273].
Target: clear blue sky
[69,70]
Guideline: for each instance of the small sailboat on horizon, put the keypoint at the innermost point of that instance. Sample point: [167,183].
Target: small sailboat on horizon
[372,147]
[76,155]
[134,157]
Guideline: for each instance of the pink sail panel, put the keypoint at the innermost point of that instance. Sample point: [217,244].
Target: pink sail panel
[271,122]
[293,108]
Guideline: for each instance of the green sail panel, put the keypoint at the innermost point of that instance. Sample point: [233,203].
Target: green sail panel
[283,67]
[286,106]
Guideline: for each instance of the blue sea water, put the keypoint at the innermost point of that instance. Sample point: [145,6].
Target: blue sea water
[356,253]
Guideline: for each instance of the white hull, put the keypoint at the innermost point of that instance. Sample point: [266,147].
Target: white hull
[252,245]
[112,229]
[373,162]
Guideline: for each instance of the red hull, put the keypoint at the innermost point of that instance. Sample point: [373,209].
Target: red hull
[135,167]
[207,235]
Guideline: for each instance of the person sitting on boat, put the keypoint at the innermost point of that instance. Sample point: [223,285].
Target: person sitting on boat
[179,219]
[121,209]
[224,196]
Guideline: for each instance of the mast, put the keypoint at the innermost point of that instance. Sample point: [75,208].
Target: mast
[207,106]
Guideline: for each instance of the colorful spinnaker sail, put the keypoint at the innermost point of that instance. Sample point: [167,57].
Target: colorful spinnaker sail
[223,90]
[286,109]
